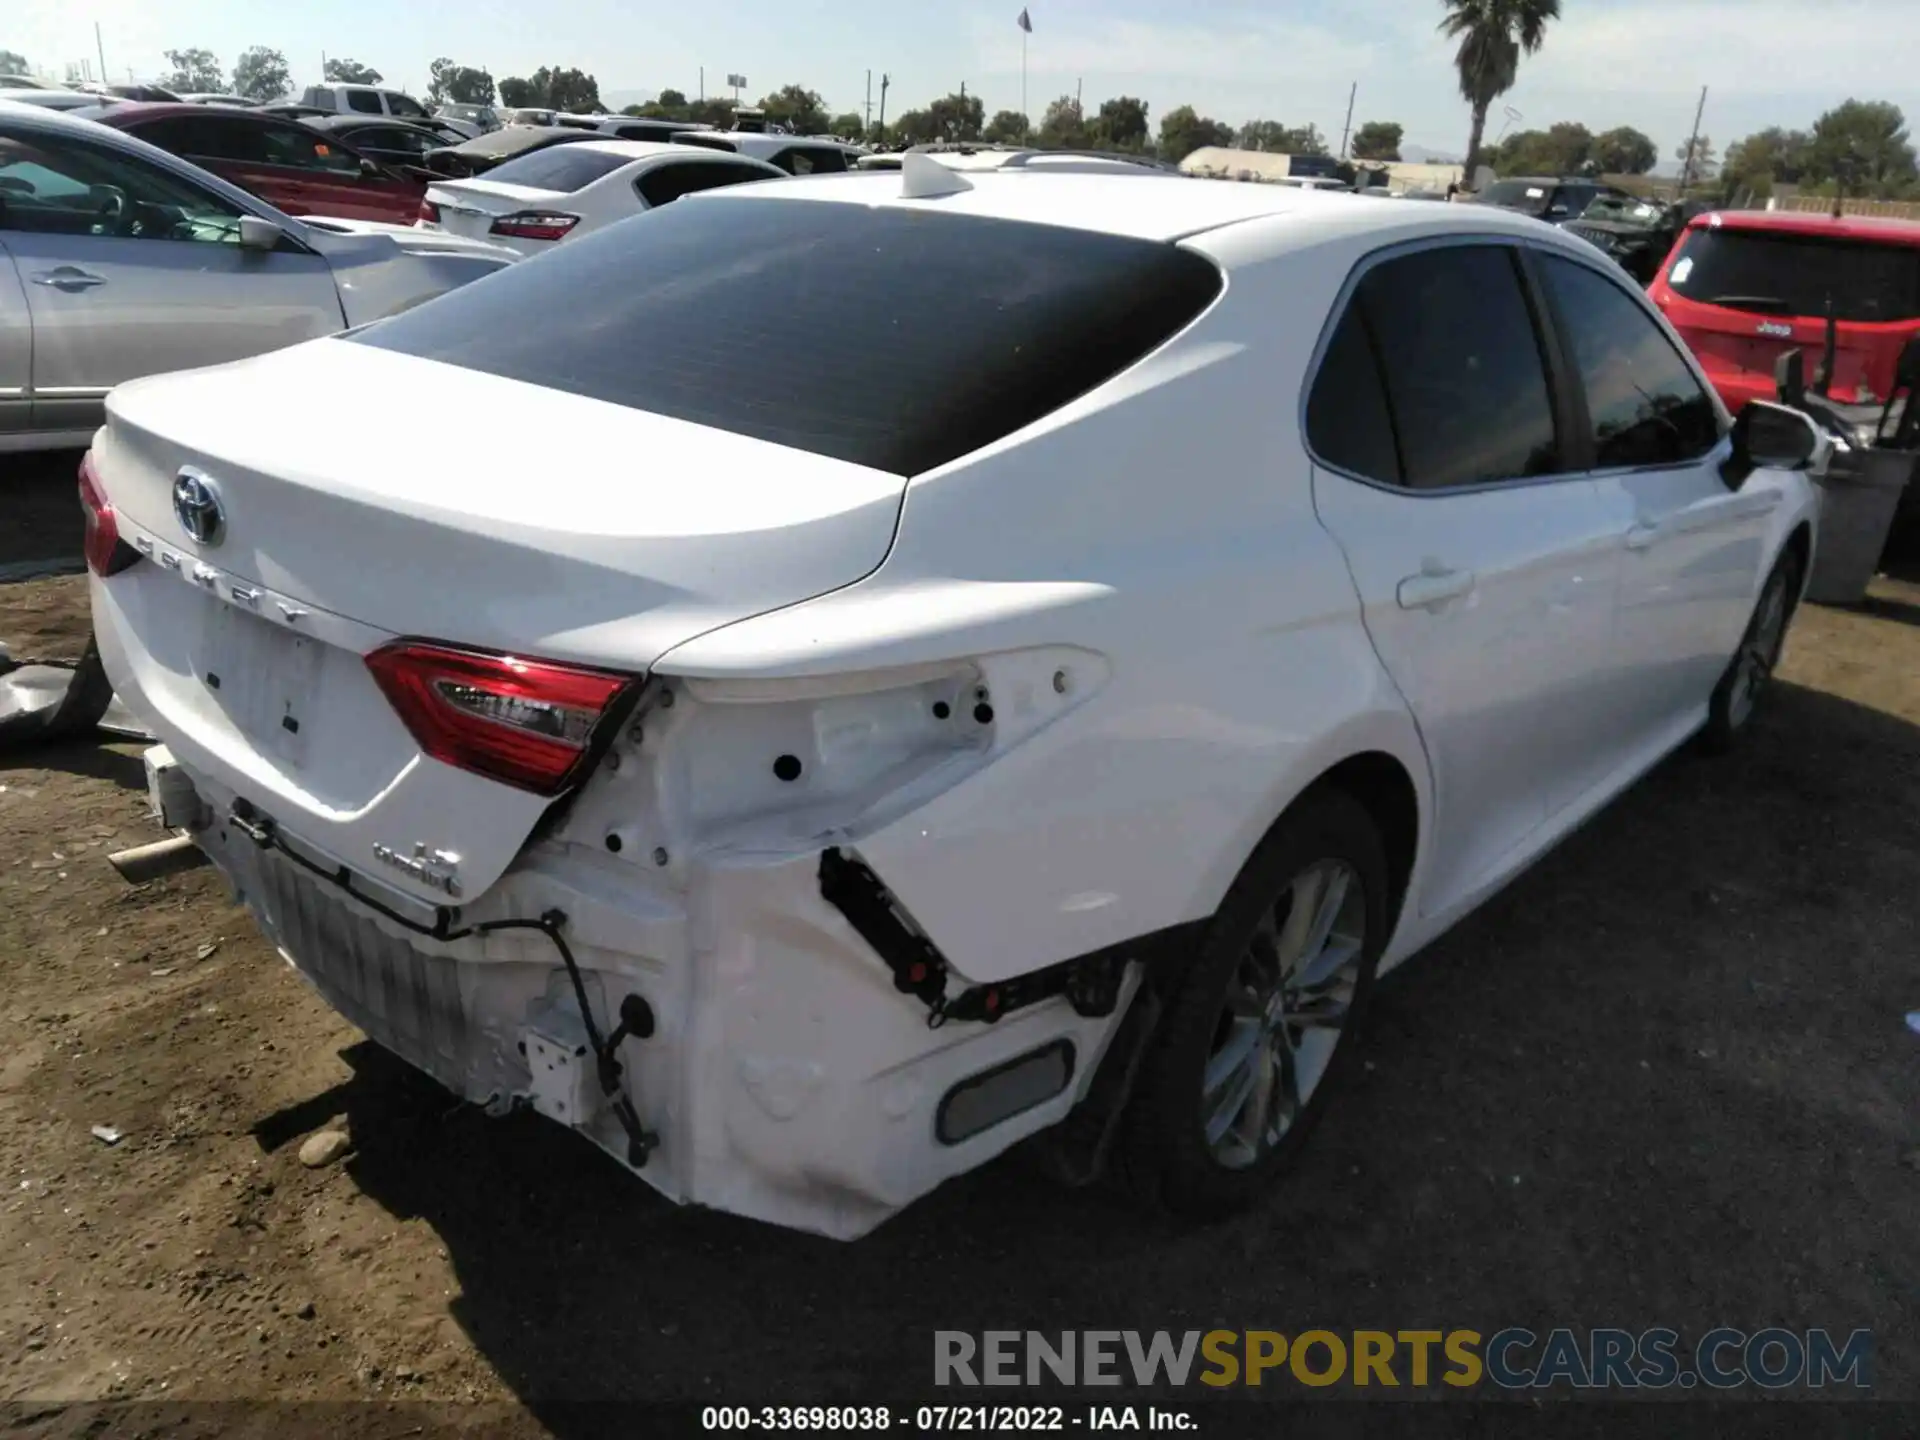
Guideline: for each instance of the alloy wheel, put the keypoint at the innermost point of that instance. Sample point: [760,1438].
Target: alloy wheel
[1287,1007]
[1760,652]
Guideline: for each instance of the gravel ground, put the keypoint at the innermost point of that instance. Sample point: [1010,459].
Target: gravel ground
[1663,1080]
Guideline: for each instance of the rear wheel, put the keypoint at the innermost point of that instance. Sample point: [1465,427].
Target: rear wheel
[1247,1055]
[1738,695]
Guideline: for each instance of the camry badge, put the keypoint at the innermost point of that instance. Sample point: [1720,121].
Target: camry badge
[196,505]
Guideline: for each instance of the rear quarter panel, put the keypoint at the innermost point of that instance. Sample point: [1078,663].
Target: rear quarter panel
[1168,518]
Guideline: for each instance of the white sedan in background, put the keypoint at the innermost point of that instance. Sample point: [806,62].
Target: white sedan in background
[1152,609]
[532,203]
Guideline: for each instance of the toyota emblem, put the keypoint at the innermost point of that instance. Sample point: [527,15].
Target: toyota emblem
[196,504]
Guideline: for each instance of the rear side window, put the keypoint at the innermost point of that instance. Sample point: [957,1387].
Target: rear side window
[1642,400]
[405,105]
[365,101]
[668,182]
[1466,385]
[1786,274]
[811,160]
[1348,424]
[565,168]
[889,338]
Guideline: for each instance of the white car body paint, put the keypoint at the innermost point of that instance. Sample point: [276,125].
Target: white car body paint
[1046,738]
[471,207]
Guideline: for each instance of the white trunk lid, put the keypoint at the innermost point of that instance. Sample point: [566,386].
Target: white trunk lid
[367,495]
[469,207]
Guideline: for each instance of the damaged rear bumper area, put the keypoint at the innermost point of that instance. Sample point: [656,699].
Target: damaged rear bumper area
[783,1043]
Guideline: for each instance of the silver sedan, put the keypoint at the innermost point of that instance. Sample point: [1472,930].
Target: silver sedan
[119,260]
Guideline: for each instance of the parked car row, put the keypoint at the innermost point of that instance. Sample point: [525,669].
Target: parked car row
[119,259]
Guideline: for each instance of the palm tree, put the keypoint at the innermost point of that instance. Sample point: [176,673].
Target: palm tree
[1492,35]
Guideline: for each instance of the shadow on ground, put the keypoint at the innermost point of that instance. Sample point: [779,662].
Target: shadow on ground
[1663,1080]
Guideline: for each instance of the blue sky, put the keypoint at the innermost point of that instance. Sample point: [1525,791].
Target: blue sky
[1609,62]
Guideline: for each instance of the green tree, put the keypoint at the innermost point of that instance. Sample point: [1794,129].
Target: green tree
[1565,149]
[12,62]
[549,88]
[1698,160]
[1864,145]
[261,74]
[1008,127]
[1378,140]
[193,70]
[1764,159]
[1120,124]
[712,111]
[916,127]
[957,117]
[847,125]
[1625,151]
[1492,34]
[1183,130]
[1063,127]
[349,72]
[461,84]
[797,108]
[1278,139]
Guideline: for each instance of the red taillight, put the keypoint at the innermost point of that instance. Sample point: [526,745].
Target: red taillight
[106,553]
[535,225]
[524,722]
[429,213]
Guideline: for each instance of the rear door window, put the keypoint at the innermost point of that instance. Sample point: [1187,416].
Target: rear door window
[1465,378]
[669,181]
[747,314]
[1348,423]
[1644,404]
[1786,274]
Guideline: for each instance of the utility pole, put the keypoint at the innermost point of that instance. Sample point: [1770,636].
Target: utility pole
[869,102]
[100,47]
[1347,129]
[1077,111]
[323,67]
[703,84]
[885,81]
[1693,145]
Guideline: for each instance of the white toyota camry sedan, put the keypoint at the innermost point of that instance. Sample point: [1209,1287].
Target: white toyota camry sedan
[898,662]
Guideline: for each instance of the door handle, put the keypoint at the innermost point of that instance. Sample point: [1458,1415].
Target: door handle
[1642,534]
[1432,588]
[69,278]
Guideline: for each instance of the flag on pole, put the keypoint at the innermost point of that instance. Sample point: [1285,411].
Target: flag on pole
[1024,23]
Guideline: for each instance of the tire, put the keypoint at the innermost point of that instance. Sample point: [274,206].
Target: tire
[1174,1151]
[1743,685]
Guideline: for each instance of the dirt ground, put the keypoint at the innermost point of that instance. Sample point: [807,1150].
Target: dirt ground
[1663,1080]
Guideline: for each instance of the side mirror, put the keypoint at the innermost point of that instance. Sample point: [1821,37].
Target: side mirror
[1557,212]
[259,233]
[1772,437]
[371,169]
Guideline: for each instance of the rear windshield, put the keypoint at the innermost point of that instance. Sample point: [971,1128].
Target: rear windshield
[564,168]
[1784,274]
[889,338]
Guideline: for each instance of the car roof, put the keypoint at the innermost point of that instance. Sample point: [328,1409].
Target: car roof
[1146,206]
[60,99]
[1819,224]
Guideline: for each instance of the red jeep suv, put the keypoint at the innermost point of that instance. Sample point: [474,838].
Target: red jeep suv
[1744,286]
